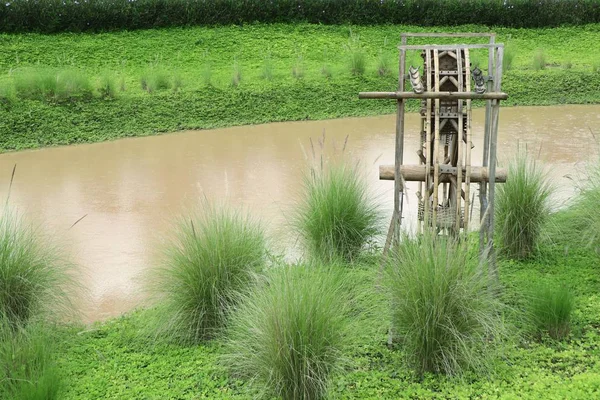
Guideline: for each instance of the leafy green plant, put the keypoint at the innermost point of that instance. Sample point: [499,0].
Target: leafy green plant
[289,334]
[443,310]
[550,310]
[35,280]
[210,258]
[539,60]
[336,218]
[522,207]
[27,370]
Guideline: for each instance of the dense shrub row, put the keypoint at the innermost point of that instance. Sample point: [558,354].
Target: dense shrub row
[96,15]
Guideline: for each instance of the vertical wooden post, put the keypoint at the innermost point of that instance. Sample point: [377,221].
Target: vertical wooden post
[436,140]
[459,139]
[468,140]
[483,189]
[399,153]
[492,168]
[426,200]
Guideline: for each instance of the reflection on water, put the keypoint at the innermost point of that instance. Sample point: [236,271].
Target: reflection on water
[130,190]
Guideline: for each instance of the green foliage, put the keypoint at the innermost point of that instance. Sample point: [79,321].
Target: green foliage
[210,258]
[155,79]
[298,68]
[236,74]
[289,335]
[51,84]
[267,68]
[383,64]
[108,86]
[509,56]
[596,66]
[34,278]
[201,106]
[539,60]
[443,310]
[27,370]
[57,16]
[551,309]
[522,207]
[336,218]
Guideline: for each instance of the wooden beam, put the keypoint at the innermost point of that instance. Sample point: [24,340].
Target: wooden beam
[444,34]
[434,95]
[451,47]
[417,173]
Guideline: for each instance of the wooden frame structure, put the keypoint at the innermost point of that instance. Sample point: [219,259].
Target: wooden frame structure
[446,137]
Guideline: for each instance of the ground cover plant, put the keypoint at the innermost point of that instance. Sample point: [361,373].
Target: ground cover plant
[211,257]
[288,337]
[336,217]
[522,207]
[221,83]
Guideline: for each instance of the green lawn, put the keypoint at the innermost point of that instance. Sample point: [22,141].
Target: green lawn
[117,360]
[189,55]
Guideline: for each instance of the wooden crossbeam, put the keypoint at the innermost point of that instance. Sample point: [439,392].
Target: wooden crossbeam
[434,95]
[417,173]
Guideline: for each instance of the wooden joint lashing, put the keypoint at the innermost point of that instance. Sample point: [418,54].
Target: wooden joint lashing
[417,173]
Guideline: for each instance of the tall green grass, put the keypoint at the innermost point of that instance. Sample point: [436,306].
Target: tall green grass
[45,83]
[154,79]
[579,223]
[336,218]
[210,258]
[288,336]
[35,279]
[107,86]
[539,60]
[550,310]
[236,74]
[509,56]
[27,370]
[522,207]
[443,311]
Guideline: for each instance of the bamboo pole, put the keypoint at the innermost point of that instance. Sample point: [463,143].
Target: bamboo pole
[426,202]
[436,139]
[418,173]
[434,95]
[483,198]
[459,139]
[468,143]
[493,149]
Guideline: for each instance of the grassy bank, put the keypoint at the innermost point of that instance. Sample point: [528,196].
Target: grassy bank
[112,85]
[112,360]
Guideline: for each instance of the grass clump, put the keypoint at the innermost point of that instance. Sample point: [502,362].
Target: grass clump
[236,74]
[539,60]
[108,87]
[210,258]
[34,280]
[267,68]
[155,79]
[27,370]
[51,84]
[443,310]
[358,58]
[550,309]
[522,208]
[298,68]
[509,56]
[288,336]
[336,218]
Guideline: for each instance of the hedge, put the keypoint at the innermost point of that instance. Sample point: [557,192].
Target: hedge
[49,16]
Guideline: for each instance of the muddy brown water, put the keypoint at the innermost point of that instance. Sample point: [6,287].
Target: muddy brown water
[131,190]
